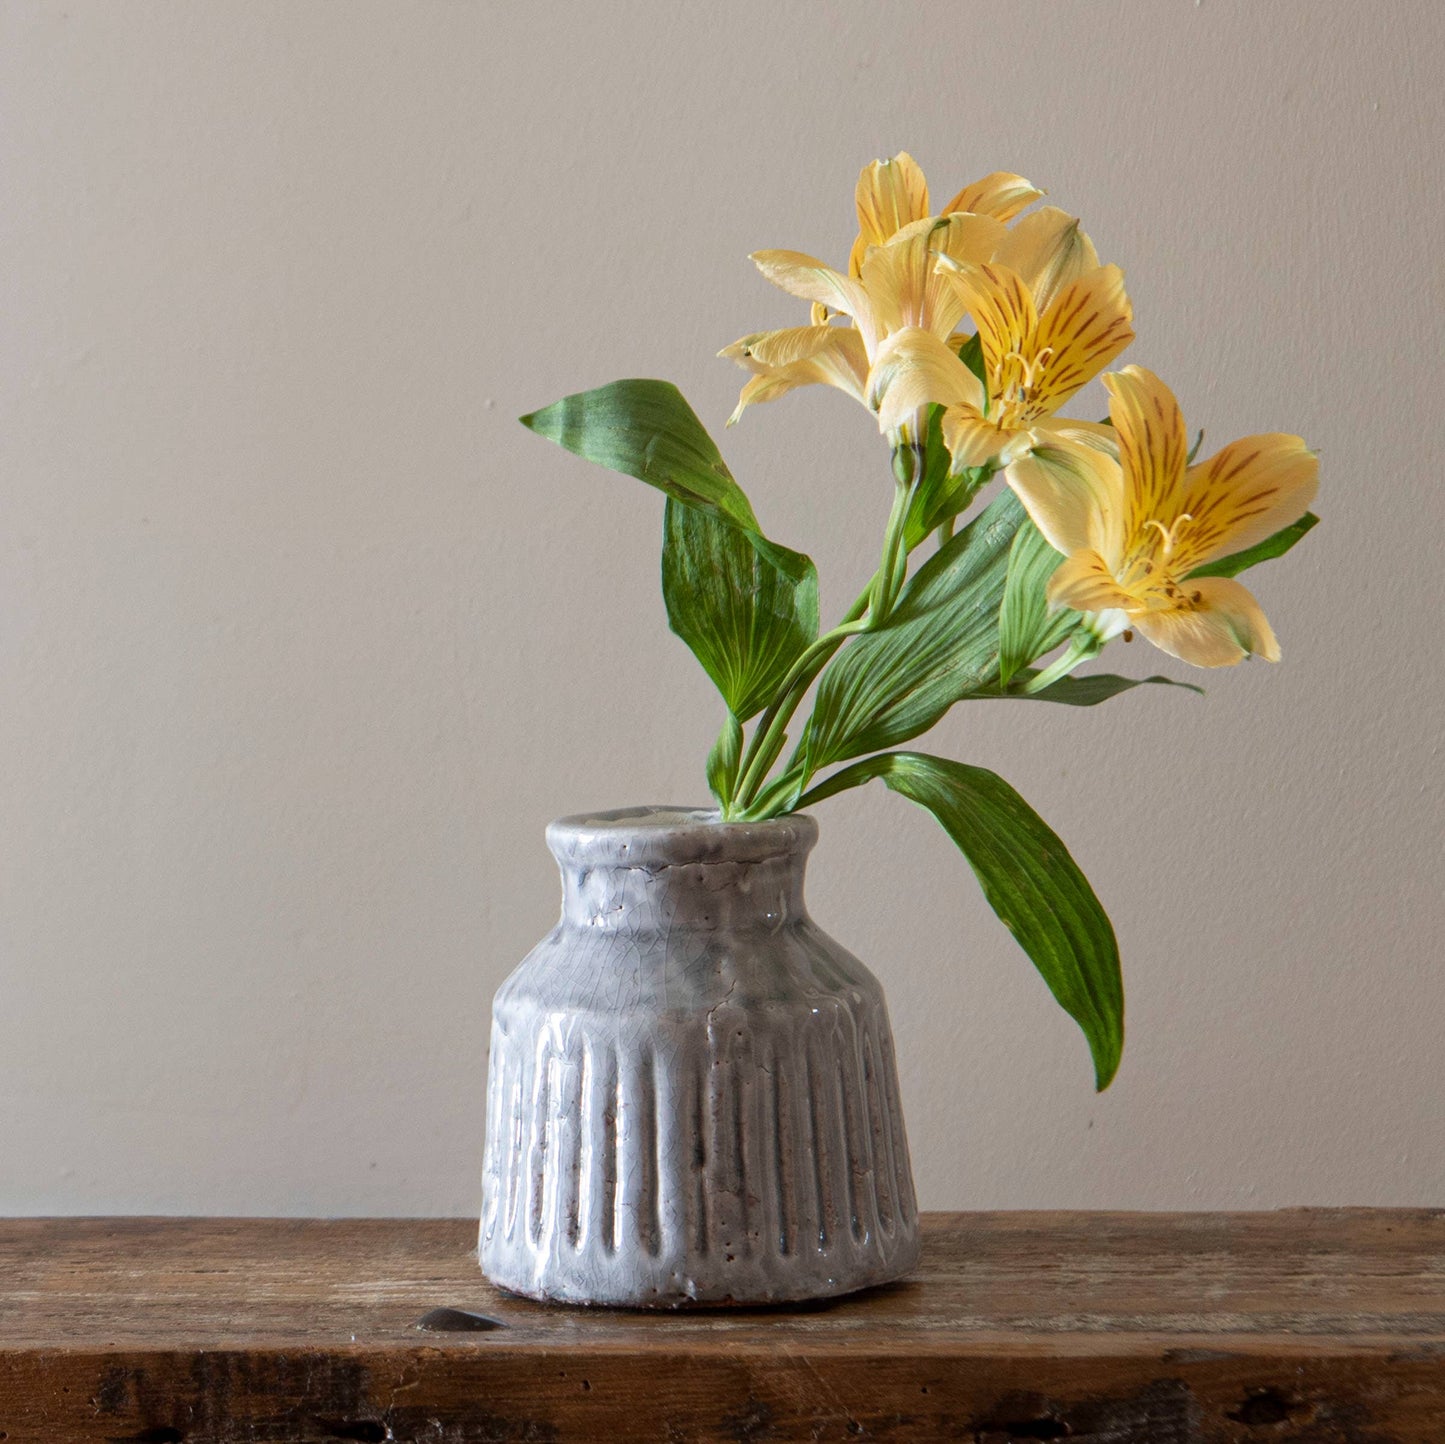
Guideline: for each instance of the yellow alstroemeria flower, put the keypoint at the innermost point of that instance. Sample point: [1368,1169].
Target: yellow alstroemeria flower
[890,283]
[1133,530]
[1049,319]
[899,287]
[893,193]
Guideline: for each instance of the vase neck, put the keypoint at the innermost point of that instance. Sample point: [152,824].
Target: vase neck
[655,869]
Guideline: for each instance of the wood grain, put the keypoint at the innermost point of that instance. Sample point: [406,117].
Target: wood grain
[1298,1327]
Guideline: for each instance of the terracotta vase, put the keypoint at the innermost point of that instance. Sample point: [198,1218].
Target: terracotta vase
[692,1097]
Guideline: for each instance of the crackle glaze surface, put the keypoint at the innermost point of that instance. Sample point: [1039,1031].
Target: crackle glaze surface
[692,1093]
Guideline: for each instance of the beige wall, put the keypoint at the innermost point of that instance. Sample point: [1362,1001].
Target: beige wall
[303,638]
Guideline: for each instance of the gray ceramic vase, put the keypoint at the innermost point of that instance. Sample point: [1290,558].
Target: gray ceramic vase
[692,1094]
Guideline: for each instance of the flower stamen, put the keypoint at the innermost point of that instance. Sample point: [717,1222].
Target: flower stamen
[1170,533]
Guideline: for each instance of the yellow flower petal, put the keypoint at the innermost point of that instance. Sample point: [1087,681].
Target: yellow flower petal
[1084,582]
[765,349]
[1075,495]
[1050,251]
[1153,446]
[1097,434]
[999,195]
[970,439]
[801,356]
[1242,495]
[902,280]
[765,387]
[1000,305]
[1085,328]
[809,279]
[890,194]
[968,237]
[1220,625]
[914,369]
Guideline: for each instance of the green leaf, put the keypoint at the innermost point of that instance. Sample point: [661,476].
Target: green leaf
[646,429]
[971,354]
[723,759]
[745,605]
[940,494]
[939,644]
[745,620]
[1271,547]
[778,796]
[1029,879]
[1088,691]
[1027,628]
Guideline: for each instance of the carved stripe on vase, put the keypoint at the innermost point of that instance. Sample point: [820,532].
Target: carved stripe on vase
[855,1152]
[885,1167]
[698,1162]
[574,1155]
[822,1149]
[491,1202]
[672,1156]
[902,1171]
[784,1189]
[637,1218]
[541,1137]
[807,1188]
[743,1171]
[760,1181]
[725,1170]
[598,1201]
[510,1165]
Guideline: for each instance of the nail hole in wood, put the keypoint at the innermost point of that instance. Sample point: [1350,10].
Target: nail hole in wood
[367,1431]
[457,1321]
[1264,1406]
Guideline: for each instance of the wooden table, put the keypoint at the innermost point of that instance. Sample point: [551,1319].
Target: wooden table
[1300,1327]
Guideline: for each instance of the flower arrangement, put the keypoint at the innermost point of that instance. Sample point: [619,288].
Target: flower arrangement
[1099,530]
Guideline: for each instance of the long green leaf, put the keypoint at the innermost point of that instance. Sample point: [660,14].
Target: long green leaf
[1271,547]
[645,428]
[745,605]
[939,644]
[1086,691]
[745,620]
[1029,879]
[722,761]
[1027,627]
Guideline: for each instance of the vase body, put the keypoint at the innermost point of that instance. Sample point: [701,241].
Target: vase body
[692,1094]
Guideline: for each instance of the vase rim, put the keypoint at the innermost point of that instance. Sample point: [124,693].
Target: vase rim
[660,835]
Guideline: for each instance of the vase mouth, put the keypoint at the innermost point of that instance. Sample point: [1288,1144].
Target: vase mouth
[670,836]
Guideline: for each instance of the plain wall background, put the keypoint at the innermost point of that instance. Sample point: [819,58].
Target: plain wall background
[303,639]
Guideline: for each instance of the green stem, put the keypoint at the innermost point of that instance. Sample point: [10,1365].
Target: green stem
[770,733]
[1078,653]
[870,610]
[891,571]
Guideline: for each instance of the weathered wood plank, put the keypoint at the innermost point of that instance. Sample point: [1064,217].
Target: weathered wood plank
[1300,1327]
